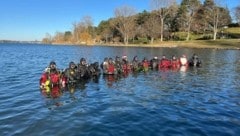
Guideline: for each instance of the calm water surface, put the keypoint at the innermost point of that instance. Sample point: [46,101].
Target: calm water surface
[200,101]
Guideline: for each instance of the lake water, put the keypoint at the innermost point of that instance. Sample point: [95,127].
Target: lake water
[194,101]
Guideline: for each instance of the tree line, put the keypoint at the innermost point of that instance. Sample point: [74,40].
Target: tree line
[166,21]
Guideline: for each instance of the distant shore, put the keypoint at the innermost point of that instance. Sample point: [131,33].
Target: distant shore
[217,44]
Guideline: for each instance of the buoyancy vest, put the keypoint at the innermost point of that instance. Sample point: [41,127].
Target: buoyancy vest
[54,78]
[154,63]
[72,72]
[111,68]
[195,62]
[48,80]
[55,92]
[70,75]
[43,79]
[134,65]
[104,66]
[183,61]
[83,71]
[145,65]
[126,68]
[175,63]
[165,63]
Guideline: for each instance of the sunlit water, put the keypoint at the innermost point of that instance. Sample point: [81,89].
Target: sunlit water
[196,101]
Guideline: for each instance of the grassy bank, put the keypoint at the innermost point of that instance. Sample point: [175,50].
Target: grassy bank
[194,43]
[217,44]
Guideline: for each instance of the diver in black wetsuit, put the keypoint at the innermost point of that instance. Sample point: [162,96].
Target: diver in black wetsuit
[195,61]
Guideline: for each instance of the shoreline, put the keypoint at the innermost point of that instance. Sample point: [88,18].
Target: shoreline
[228,44]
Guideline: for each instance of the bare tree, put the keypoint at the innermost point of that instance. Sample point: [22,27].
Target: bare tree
[87,21]
[237,14]
[162,8]
[216,15]
[75,33]
[47,39]
[124,21]
[151,27]
[192,11]
[81,31]
[59,37]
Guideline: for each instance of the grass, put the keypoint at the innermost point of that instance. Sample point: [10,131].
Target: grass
[235,30]
[233,43]
[221,43]
[217,44]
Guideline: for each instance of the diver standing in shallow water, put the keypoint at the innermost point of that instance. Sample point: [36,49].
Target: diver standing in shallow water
[183,60]
[125,65]
[164,63]
[175,64]
[195,61]
[111,67]
[104,65]
[145,64]
[50,77]
[70,74]
[154,63]
[135,64]
[82,70]
[118,65]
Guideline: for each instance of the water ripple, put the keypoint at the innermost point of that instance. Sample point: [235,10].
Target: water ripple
[193,101]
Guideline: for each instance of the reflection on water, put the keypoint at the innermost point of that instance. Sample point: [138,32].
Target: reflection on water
[187,101]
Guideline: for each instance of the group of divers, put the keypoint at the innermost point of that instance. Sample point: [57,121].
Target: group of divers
[52,77]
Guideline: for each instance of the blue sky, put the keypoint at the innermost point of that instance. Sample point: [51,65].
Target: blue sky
[26,20]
